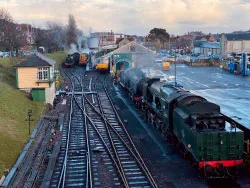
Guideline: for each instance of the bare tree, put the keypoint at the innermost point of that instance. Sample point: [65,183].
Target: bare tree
[71,31]
[38,36]
[56,33]
[12,35]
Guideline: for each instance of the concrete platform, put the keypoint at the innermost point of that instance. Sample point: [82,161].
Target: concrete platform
[231,92]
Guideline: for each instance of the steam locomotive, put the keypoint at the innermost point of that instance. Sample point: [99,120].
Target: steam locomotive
[72,59]
[196,125]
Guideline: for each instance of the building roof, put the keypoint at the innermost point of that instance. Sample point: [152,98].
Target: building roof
[133,43]
[205,44]
[238,36]
[197,43]
[33,61]
[210,45]
[199,37]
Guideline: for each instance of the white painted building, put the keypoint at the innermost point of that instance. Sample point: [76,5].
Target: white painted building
[234,43]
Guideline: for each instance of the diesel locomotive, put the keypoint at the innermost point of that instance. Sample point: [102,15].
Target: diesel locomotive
[83,59]
[205,136]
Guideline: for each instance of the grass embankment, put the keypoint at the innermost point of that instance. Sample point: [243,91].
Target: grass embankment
[59,57]
[14,106]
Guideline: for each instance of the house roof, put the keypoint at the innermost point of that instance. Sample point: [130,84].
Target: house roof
[33,61]
[238,36]
[131,43]
[199,37]
[129,39]
[205,44]
[210,45]
[197,43]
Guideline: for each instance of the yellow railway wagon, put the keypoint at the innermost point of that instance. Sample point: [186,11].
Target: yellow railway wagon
[165,65]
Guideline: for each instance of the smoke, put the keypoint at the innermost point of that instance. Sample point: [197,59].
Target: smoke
[73,49]
[143,58]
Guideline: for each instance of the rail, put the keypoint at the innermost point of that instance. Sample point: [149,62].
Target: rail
[140,160]
[117,145]
[133,153]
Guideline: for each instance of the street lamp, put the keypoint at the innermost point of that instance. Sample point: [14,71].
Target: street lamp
[175,83]
[29,115]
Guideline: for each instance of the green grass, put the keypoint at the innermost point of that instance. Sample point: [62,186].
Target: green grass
[14,105]
[59,57]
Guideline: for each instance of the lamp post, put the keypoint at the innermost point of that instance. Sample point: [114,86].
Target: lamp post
[175,83]
[29,115]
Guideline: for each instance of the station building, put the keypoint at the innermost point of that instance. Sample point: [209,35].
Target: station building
[141,56]
[35,75]
[235,43]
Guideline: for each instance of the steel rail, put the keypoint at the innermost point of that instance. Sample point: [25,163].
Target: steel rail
[113,146]
[64,169]
[136,156]
[140,160]
[150,177]
[101,137]
[118,165]
[89,179]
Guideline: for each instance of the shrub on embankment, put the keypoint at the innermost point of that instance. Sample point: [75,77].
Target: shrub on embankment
[14,106]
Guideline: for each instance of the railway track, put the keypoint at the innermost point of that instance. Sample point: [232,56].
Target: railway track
[72,165]
[29,172]
[97,151]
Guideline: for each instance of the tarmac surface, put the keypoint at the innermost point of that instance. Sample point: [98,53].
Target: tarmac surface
[231,92]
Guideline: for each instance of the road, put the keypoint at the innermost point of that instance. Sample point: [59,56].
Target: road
[231,92]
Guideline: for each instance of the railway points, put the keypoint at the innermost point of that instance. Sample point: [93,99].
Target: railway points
[106,157]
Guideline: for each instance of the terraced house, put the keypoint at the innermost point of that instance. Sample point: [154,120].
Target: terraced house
[35,75]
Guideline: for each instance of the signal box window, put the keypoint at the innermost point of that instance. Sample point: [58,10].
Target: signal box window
[43,73]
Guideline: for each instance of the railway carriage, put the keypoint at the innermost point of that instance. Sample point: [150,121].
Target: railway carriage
[196,125]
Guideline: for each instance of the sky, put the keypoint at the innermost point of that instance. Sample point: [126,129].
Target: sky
[136,16]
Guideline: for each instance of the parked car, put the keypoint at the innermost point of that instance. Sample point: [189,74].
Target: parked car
[202,56]
[1,54]
[6,54]
[214,57]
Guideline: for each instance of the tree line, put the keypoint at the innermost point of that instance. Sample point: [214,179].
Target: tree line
[13,36]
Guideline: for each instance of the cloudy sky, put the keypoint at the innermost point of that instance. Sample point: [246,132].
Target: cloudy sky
[136,16]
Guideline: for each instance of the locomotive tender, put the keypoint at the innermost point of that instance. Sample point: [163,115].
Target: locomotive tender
[186,119]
